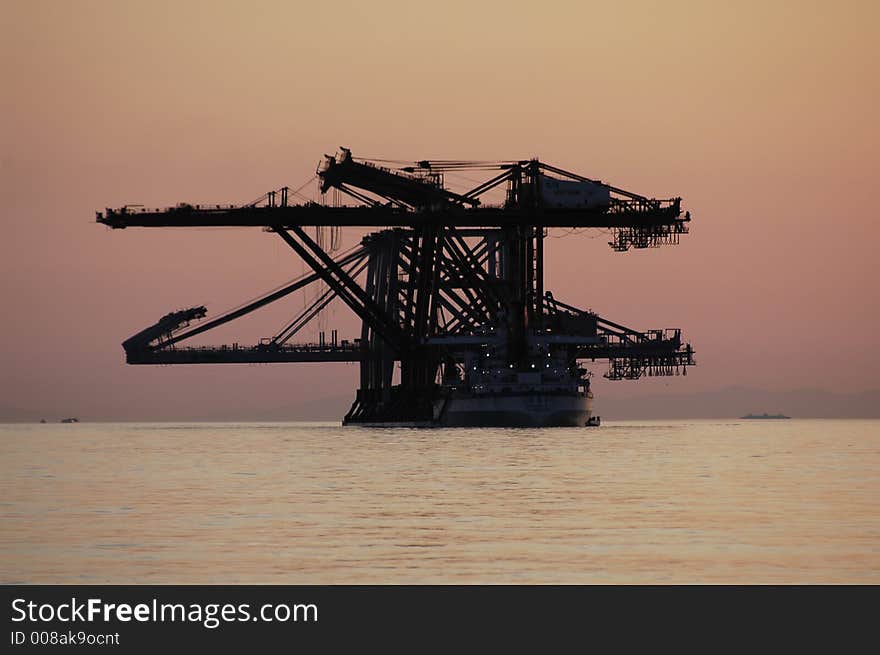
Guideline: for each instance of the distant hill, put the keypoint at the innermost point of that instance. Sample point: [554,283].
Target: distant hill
[731,402]
[322,409]
[738,401]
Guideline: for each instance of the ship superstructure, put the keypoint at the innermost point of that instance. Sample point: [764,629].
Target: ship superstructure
[456,325]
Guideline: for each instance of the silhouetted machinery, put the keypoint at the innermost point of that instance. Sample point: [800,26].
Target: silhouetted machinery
[451,291]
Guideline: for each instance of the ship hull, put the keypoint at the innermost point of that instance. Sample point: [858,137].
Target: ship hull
[526,410]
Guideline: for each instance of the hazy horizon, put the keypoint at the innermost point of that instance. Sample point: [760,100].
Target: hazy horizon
[729,403]
[762,116]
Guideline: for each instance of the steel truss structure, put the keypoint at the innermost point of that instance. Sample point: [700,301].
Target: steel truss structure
[451,291]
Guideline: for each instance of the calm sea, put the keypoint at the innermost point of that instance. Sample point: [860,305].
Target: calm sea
[630,502]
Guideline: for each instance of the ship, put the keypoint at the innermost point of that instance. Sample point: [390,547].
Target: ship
[554,392]
[765,415]
[529,407]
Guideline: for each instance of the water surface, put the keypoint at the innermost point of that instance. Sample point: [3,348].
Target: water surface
[630,502]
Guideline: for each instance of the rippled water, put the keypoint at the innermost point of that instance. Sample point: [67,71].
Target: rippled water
[646,502]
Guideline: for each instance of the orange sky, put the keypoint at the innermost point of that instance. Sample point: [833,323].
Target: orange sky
[762,115]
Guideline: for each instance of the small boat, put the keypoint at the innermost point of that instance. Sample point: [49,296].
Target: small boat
[70,420]
[764,415]
[594,422]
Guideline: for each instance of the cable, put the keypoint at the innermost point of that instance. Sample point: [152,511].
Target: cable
[281,286]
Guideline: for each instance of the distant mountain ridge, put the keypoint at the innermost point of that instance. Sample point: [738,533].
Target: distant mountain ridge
[734,402]
[731,402]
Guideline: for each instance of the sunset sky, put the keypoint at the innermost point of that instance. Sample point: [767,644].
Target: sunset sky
[761,115]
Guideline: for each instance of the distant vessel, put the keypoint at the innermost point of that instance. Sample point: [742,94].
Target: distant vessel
[70,420]
[765,415]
